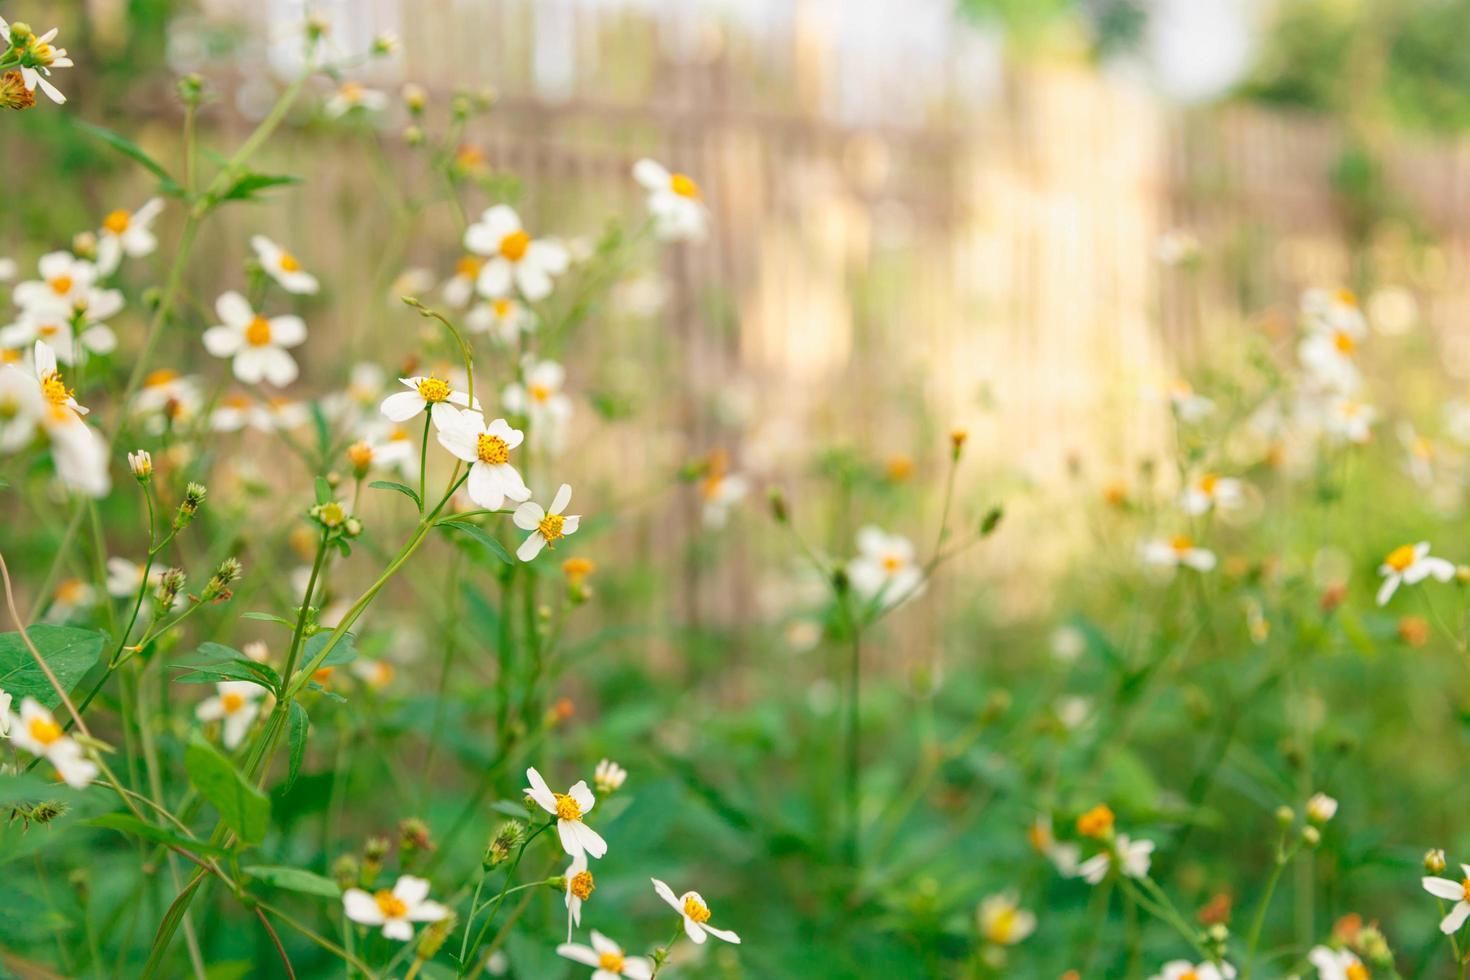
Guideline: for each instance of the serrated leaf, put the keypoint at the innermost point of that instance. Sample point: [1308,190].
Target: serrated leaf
[68,651]
[243,808]
[295,879]
[298,726]
[132,150]
[126,823]
[483,536]
[402,488]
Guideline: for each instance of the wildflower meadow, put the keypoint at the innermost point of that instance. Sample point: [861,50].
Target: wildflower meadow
[372,599]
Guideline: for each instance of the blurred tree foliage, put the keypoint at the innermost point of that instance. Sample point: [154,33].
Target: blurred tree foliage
[1108,26]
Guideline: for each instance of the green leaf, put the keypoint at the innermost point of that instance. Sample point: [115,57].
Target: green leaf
[402,488]
[246,186]
[221,663]
[295,879]
[126,823]
[323,490]
[243,808]
[128,148]
[991,521]
[69,652]
[343,652]
[265,617]
[298,725]
[483,536]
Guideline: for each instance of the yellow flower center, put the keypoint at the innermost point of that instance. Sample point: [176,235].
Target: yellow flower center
[1344,342]
[258,332]
[1181,544]
[1208,483]
[288,263]
[514,245]
[44,730]
[582,885]
[332,514]
[351,91]
[683,185]
[1095,822]
[61,285]
[696,910]
[1400,558]
[492,449]
[610,961]
[577,569]
[55,390]
[892,563]
[1465,887]
[502,308]
[1188,975]
[231,702]
[160,377]
[1347,297]
[360,455]
[1422,448]
[71,590]
[566,807]
[47,330]
[390,904]
[467,267]
[550,527]
[1003,926]
[540,392]
[433,390]
[117,222]
[1356,971]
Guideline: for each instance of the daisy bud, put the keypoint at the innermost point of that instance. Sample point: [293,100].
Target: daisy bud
[13,91]
[330,515]
[141,463]
[1311,836]
[506,839]
[778,506]
[218,586]
[1285,816]
[413,835]
[608,777]
[415,98]
[1434,861]
[413,136]
[1097,822]
[460,106]
[373,853]
[1374,947]
[1321,808]
[191,89]
[317,27]
[384,44]
[957,439]
[170,584]
[346,871]
[431,940]
[194,495]
[360,455]
[84,245]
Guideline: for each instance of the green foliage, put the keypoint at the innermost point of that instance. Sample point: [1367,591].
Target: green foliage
[243,808]
[69,653]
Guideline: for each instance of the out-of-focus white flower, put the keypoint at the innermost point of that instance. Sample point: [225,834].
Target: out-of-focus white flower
[505,319]
[674,201]
[353,95]
[1132,859]
[1067,643]
[129,234]
[459,288]
[1321,808]
[235,705]
[397,910]
[1002,920]
[1185,970]
[607,959]
[569,808]
[256,345]
[513,258]
[721,492]
[1393,310]
[493,480]
[1410,564]
[1065,857]
[1176,551]
[1209,491]
[1419,454]
[376,674]
[53,325]
[1188,406]
[884,567]
[1349,420]
[546,526]
[36,731]
[541,400]
[283,267]
[1340,964]
[71,597]
[695,912]
[608,777]
[1177,247]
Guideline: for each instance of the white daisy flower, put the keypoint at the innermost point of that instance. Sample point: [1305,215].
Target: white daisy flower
[608,777]
[459,288]
[1321,808]
[579,888]
[397,910]
[53,324]
[1338,964]
[493,480]
[569,808]
[505,319]
[279,414]
[36,730]
[1410,564]
[1188,406]
[72,596]
[21,407]
[1176,551]
[1208,492]
[1452,891]
[1185,970]
[353,95]
[79,453]
[546,526]
[235,705]
[1419,455]
[167,399]
[541,400]
[513,257]
[38,57]
[607,958]
[1065,857]
[721,492]
[255,344]
[1328,355]
[427,392]
[885,567]
[129,234]
[1329,310]
[232,412]
[1003,921]
[283,267]
[692,907]
[5,701]
[1132,857]
[63,403]
[674,201]
[385,448]
[66,283]
[376,674]
[1349,420]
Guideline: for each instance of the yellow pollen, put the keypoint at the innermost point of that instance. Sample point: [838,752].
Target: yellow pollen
[288,263]
[390,904]
[117,222]
[696,910]
[1208,483]
[492,449]
[501,307]
[351,91]
[44,730]
[550,527]
[10,356]
[323,675]
[433,390]
[61,285]
[258,332]
[467,267]
[55,389]
[69,591]
[1346,297]
[48,330]
[1181,544]
[398,435]
[1356,971]
[582,885]
[611,962]
[1188,975]
[1465,888]
[566,807]
[683,185]
[1003,926]
[514,245]
[1344,342]
[892,563]
[540,392]
[231,702]
[160,377]
[1400,558]
[1095,822]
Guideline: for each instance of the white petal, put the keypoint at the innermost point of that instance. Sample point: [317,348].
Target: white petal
[562,498]
[222,341]
[402,406]
[359,906]
[531,547]
[233,309]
